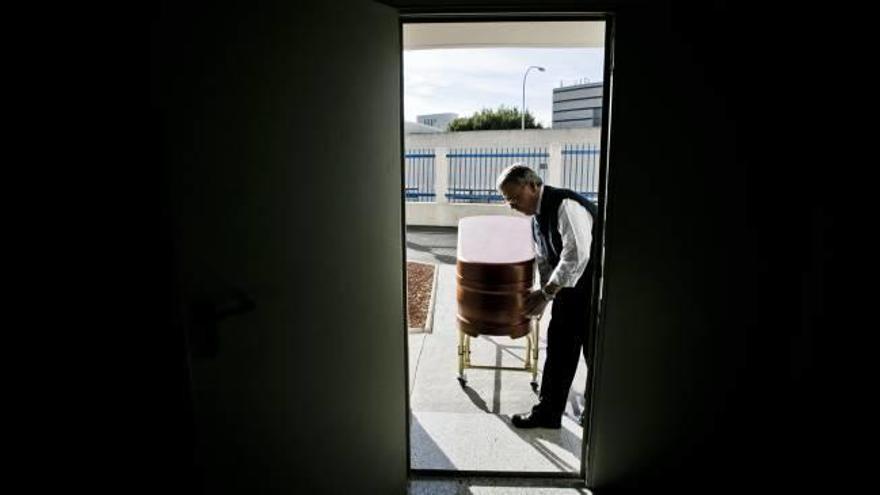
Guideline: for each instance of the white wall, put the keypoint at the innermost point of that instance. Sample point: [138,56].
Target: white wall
[510,139]
[448,214]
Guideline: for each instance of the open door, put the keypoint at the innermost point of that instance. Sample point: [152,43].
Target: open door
[280,153]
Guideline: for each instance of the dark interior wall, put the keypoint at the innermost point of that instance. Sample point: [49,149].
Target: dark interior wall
[715,249]
[278,137]
[680,318]
[717,253]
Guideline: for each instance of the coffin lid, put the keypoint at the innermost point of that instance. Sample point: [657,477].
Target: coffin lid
[495,239]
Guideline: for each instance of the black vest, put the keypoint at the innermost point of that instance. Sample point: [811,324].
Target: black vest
[545,228]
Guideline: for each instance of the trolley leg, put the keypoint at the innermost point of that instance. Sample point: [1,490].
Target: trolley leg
[528,360]
[461,357]
[534,340]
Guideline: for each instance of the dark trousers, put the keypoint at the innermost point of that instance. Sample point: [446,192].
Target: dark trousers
[567,336]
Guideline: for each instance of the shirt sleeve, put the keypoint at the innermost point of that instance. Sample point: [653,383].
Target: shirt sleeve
[575,226]
[544,268]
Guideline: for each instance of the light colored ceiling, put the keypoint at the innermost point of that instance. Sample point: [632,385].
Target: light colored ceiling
[544,34]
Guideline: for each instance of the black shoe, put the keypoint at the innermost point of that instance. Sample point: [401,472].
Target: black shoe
[535,419]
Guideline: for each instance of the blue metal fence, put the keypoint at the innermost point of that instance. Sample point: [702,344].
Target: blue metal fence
[580,169]
[419,174]
[473,171]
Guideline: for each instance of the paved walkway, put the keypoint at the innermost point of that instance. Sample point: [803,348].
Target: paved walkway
[435,245]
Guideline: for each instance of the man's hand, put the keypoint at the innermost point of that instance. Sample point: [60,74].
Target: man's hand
[535,304]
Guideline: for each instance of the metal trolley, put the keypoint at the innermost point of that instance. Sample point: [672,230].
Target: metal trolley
[531,358]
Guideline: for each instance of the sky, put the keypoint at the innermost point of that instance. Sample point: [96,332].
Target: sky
[465,80]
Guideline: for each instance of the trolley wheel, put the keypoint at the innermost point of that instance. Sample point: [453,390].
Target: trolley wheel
[462,381]
[534,386]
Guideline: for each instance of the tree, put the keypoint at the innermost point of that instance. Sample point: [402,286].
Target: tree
[490,120]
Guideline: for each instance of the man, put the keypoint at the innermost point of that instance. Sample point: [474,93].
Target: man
[562,228]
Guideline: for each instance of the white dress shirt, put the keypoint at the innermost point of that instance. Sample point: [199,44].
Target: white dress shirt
[575,226]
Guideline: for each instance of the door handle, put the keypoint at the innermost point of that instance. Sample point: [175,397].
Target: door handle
[205,314]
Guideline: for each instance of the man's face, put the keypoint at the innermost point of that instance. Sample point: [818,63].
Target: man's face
[523,199]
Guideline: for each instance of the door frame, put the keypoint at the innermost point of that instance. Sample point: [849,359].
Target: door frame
[597,303]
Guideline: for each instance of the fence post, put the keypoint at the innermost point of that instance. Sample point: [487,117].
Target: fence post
[441,174]
[554,165]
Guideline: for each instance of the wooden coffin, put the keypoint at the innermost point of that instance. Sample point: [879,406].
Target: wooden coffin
[494,268]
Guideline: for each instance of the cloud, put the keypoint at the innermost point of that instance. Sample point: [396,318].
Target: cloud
[466,80]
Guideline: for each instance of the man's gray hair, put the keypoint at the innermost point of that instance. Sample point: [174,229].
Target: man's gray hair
[519,174]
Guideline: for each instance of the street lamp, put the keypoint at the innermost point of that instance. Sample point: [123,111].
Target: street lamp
[524,93]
